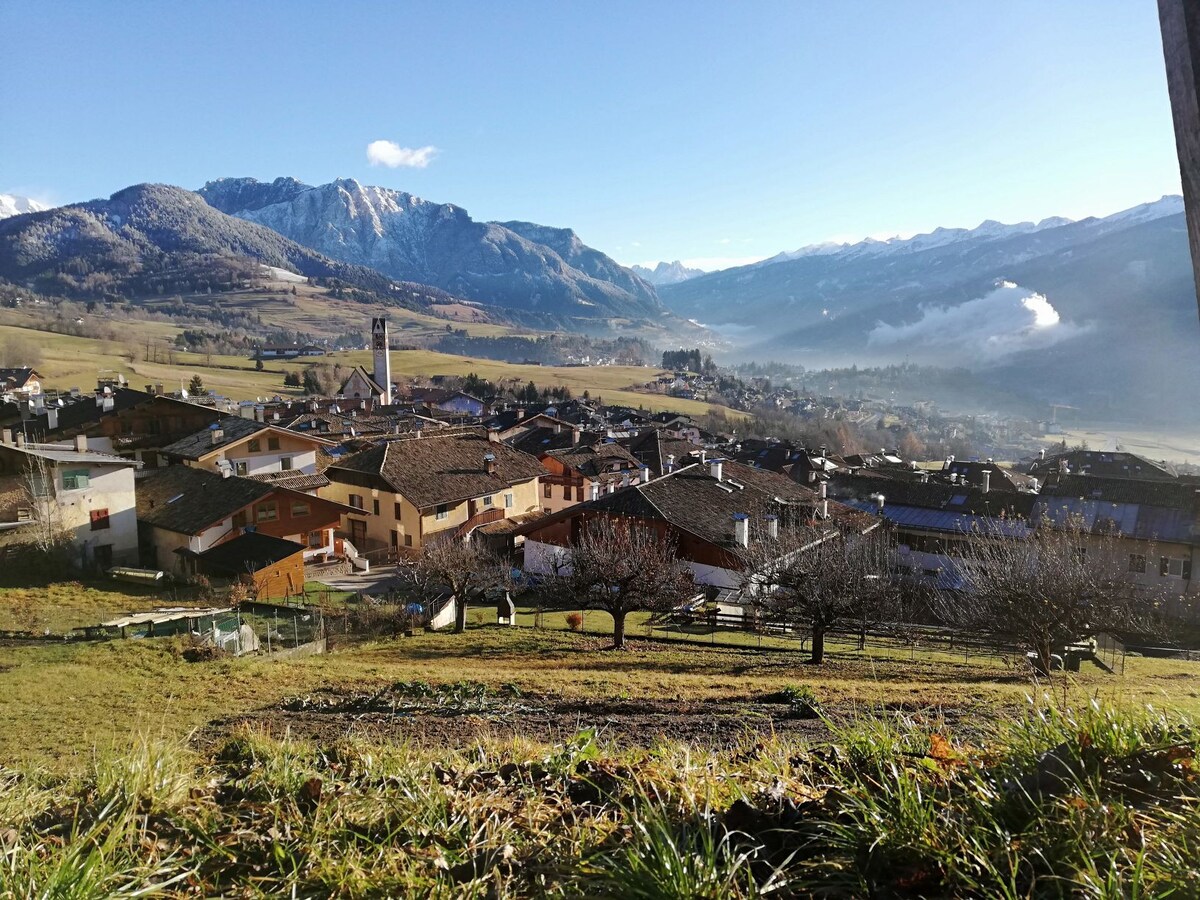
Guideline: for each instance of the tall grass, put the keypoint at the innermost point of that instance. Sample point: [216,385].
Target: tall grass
[1093,802]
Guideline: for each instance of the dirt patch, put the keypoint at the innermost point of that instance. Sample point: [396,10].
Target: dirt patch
[438,722]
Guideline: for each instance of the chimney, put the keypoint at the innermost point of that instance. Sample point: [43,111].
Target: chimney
[987,480]
[822,451]
[52,418]
[812,476]
[216,434]
[823,490]
[823,509]
[773,527]
[1035,485]
[489,463]
[670,466]
[574,435]
[159,390]
[81,443]
[703,455]
[595,490]
[6,436]
[1042,453]
[19,437]
[645,474]
[924,478]
[880,500]
[716,468]
[493,435]
[741,529]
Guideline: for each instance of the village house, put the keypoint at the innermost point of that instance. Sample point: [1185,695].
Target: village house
[587,471]
[711,510]
[184,512]
[66,489]
[408,490]
[244,447]
[360,385]
[126,422]
[1155,524]
[288,351]
[20,381]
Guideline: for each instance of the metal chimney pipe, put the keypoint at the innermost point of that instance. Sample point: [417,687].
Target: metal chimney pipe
[987,480]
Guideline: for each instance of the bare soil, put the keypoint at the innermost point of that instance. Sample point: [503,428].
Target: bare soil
[329,715]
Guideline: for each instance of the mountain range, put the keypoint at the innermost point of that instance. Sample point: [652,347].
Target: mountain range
[666,273]
[153,238]
[1099,313]
[541,272]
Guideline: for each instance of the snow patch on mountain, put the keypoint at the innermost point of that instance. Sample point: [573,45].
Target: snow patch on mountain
[14,205]
[989,329]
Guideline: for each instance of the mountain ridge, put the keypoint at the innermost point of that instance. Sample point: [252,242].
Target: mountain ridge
[532,268]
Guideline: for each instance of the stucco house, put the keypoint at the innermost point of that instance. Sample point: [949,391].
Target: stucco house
[68,488]
[407,490]
[243,447]
[184,512]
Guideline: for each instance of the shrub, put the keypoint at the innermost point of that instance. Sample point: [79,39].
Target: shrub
[574,621]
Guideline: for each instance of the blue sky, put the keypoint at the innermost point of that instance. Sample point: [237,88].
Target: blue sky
[708,132]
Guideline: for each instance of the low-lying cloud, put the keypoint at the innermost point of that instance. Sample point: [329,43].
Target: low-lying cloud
[1008,320]
[392,155]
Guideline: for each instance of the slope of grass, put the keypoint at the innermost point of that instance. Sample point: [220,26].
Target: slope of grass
[1062,802]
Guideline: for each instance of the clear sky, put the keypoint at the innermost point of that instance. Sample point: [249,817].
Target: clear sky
[704,131]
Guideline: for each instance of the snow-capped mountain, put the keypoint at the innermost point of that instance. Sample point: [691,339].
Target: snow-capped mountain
[13,205]
[544,272]
[666,273]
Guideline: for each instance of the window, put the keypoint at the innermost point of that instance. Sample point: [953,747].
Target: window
[254,446]
[240,468]
[487,501]
[546,490]
[267,512]
[239,519]
[408,540]
[566,492]
[316,539]
[442,512]
[1137,562]
[75,479]
[300,508]
[508,501]
[356,501]
[1175,567]
[579,494]
[398,511]
[99,519]
[285,464]
[375,507]
[272,443]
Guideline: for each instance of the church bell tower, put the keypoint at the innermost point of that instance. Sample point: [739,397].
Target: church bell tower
[383,363]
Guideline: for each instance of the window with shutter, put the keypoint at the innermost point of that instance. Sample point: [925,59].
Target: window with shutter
[99,518]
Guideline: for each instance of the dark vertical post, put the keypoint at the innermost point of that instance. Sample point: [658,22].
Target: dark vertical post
[1180,23]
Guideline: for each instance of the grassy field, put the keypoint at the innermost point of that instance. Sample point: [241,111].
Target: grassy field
[69,361]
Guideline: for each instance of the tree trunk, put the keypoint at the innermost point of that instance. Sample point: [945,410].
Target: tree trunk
[618,630]
[460,613]
[818,644]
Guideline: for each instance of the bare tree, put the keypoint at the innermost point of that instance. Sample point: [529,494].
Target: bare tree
[820,577]
[464,568]
[1048,589]
[49,536]
[622,567]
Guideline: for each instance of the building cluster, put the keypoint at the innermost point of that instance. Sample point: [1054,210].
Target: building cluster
[268,491]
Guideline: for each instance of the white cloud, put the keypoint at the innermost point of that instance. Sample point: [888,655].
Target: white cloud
[981,331]
[392,155]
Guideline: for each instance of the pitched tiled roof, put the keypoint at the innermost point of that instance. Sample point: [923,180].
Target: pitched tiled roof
[250,549]
[14,378]
[1178,494]
[440,468]
[294,481]
[932,495]
[187,500]
[1106,463]
[597,460]
[194,446]
[694,501]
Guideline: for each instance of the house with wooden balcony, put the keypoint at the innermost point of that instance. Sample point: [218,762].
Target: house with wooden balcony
[408,490]
[246,448]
